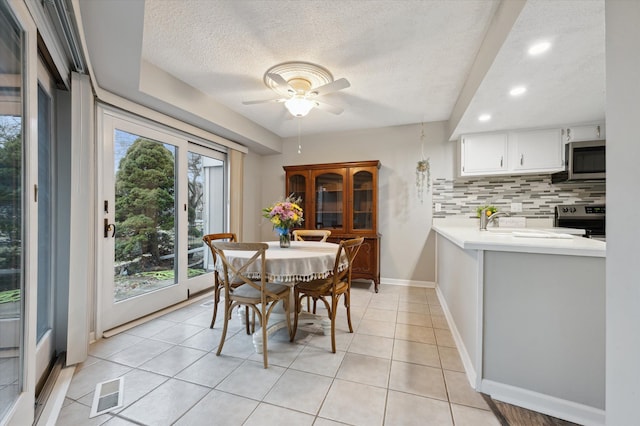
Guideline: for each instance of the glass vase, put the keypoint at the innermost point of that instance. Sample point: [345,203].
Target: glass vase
[285,238]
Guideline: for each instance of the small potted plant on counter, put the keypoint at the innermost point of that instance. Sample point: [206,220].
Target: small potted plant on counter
[490,210]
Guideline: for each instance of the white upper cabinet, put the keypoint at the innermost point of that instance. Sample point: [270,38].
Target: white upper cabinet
[514,152]
[537,150]
[591,132]
[484,154]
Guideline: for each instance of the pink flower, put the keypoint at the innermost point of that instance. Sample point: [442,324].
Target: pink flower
[285,214]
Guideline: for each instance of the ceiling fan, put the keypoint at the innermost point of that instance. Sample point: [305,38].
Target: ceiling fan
[300,84]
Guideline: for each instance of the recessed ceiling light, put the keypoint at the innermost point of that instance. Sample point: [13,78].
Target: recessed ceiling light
[516,91]
[539,48]
[484,117]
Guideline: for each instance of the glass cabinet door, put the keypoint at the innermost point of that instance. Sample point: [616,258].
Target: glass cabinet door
[363,203]
[297,188]
[330,200]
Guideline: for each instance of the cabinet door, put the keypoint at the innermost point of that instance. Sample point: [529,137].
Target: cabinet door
[297,186]
[362,199]
[537,150]
[484,154]
[593,132]
[365,265]
[330,199]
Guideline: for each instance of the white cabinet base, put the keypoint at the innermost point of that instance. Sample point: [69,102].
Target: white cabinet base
[556,407]
[529,326]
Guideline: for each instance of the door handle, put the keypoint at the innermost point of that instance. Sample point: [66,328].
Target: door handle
[109,227]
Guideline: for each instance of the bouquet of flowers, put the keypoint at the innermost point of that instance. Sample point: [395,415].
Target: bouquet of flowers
[284,215]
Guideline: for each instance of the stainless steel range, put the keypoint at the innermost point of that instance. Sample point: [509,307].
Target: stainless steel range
[590,217]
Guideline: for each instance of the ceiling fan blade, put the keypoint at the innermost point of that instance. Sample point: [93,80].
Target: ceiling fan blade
[334,86]
[281,82]
[329,108]
[263,101]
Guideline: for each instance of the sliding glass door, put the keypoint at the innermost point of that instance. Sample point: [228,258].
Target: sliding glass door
[12,289]
[45,349]
[207,211]
[160,195]
[18,213]
[144,229]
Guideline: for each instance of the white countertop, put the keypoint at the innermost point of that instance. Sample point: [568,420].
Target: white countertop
[471,238]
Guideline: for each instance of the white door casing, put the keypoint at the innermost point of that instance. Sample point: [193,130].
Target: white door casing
[112,312]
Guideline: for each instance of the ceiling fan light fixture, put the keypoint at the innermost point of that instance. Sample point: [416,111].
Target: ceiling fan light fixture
[299,106]
[298,84]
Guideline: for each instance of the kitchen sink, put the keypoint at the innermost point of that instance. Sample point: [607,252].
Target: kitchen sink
[528,233]
[508,230]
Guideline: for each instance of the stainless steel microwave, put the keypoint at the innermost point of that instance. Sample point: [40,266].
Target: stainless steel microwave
[585,160]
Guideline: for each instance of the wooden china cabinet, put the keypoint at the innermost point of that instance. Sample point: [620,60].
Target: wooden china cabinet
[343,198]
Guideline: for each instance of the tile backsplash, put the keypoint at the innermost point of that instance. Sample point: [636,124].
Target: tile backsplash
[461,197]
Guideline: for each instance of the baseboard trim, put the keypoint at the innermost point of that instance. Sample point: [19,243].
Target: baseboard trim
[407,283]
[552,406]
[471,373]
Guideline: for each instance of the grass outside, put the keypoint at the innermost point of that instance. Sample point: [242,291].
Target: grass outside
[10,296]
[10,305]
[134,285]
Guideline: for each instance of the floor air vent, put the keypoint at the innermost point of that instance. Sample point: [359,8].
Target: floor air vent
[108,396]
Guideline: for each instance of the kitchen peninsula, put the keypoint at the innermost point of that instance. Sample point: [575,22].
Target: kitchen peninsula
[528,316]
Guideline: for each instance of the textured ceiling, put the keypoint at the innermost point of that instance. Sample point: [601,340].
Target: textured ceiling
[407,61]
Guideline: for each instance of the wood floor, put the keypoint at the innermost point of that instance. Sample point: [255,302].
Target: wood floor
[511,415]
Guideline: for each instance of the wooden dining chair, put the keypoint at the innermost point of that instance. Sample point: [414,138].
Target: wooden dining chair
[338,284]
[218,284]
[259,295]
[311,235]
[319,235]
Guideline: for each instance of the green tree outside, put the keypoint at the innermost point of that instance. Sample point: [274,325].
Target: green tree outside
[145,204]
[10,201]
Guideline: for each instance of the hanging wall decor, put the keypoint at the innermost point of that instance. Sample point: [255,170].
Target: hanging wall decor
[423,170]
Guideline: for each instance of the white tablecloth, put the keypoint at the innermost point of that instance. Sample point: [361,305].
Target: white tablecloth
[303,261]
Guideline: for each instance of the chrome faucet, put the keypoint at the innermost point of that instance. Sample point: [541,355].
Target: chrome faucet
[486,220]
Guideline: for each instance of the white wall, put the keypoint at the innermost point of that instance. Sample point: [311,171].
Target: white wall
[623,204]
[252,201]
[408,248]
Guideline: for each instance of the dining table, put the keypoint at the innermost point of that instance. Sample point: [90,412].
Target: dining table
[301,261]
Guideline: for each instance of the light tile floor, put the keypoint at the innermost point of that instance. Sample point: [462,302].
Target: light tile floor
[399,367]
